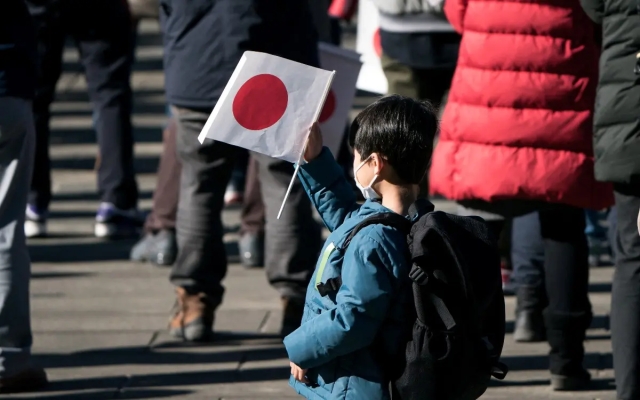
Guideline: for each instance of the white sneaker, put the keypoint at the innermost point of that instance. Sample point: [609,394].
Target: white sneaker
[35,224]
[112,222]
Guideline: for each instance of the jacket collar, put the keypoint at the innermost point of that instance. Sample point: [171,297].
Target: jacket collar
[417,209]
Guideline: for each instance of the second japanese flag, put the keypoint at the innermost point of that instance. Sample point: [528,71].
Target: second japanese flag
[269,105]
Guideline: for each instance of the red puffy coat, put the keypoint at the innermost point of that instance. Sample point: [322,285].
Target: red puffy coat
[518,122]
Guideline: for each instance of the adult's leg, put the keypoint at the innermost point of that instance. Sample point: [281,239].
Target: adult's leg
[527,258]
[17,145]
[293,241]
[625,296]
[50,34]
[568,314]
[165,197]
[159,245]
[201,263]
[253,219]
[103,33]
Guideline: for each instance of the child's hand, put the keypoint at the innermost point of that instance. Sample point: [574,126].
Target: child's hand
[314,145]
[298,373]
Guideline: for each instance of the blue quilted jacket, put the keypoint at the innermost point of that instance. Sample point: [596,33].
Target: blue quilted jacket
[342,331]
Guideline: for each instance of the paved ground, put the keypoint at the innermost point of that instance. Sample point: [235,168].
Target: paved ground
[99,320]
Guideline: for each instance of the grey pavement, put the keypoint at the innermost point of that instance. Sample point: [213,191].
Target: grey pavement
[99,320]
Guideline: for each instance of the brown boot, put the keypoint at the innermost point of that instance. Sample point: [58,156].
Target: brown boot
[292,310]
[32,378]
[193,317]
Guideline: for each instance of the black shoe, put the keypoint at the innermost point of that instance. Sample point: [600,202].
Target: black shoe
[566,334]
[31,379]
[251,247]
[529,327]
[579,381]
[160,248]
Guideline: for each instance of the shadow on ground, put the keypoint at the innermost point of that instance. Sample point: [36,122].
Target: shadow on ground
[88,136]
[89,196]
[142,164]
[596,384]
[110,394]
[597,361]
[58,275]
[98,251]
[598,322]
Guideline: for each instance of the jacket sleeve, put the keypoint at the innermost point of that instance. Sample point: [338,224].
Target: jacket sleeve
[361,306]
[594,9]
[455,11]
[325,183]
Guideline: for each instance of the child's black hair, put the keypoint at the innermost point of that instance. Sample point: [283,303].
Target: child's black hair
[401,130]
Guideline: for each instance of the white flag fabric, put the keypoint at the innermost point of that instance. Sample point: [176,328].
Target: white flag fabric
[268,106]
[371,77]
[334,115]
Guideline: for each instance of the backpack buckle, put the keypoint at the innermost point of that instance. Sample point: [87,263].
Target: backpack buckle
[330,286]
[418,275]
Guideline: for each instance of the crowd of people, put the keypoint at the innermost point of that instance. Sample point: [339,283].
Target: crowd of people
[539,135]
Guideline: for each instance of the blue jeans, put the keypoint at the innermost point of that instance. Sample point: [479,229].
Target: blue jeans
[17,147]
[527,251]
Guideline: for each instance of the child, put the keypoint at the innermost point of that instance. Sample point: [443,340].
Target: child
[332,353]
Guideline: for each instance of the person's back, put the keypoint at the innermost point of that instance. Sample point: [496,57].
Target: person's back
[345,329]
[521,105]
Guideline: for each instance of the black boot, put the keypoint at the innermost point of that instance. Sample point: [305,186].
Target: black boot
[566,334]
[529,326]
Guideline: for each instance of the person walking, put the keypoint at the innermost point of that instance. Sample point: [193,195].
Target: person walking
[17,141]
[204,40]
[102,32]
[516,138]
[617,149]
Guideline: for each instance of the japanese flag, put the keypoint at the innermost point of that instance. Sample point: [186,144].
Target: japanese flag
[335,113]
[268,106]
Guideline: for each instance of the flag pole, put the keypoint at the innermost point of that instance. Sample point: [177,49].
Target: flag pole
[304,148]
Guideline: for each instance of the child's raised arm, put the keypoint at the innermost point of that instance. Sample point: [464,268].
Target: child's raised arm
[325,183]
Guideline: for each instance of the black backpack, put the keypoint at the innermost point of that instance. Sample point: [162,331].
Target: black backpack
[455,339]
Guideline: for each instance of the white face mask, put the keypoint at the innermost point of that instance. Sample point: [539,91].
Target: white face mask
[367,192]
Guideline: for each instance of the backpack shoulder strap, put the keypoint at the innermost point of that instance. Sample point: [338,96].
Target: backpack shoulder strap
[389,219]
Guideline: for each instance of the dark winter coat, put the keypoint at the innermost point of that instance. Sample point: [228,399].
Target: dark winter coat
[617,113]
[204,40]
[17,50]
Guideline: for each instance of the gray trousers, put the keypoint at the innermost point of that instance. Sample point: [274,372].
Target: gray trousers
[17,146]
[625,294]
[292,243]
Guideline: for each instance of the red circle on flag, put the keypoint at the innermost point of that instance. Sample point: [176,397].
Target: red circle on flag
[260,102]
[329,107]
[377,45]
